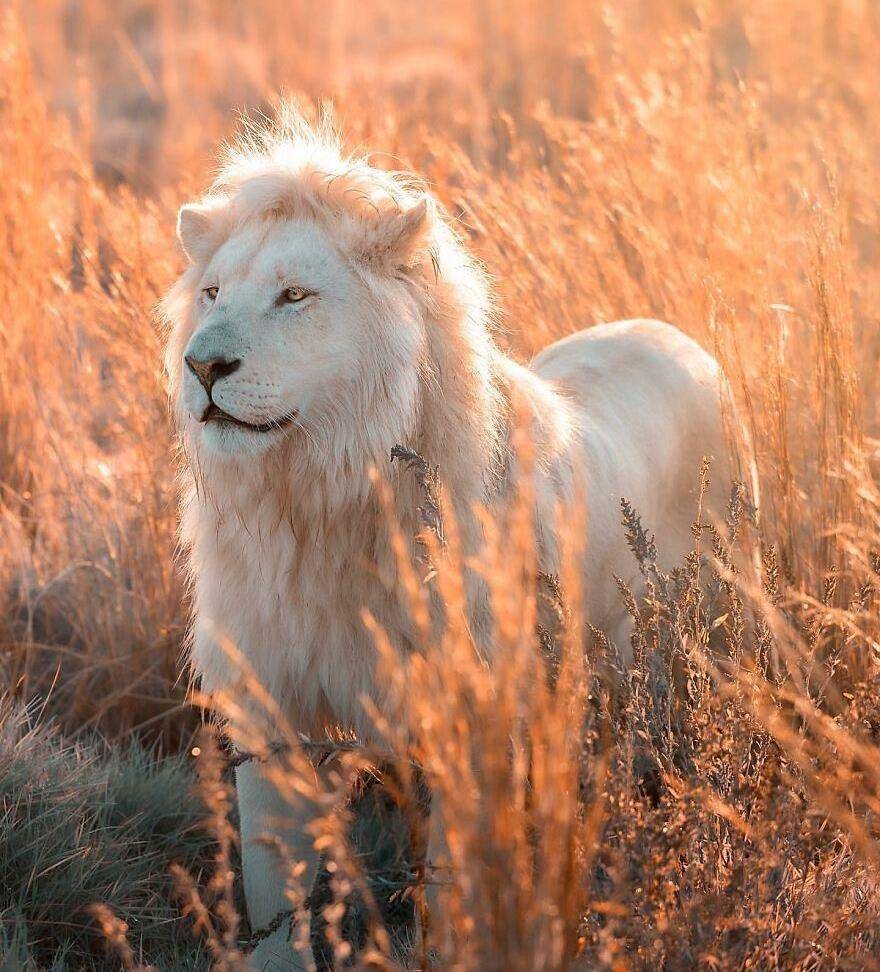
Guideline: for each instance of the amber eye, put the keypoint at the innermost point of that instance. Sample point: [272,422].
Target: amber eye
[211,293]
[292,295]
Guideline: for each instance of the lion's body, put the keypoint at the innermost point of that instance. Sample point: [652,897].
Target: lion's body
[648,404]
[288,544]
[287,584]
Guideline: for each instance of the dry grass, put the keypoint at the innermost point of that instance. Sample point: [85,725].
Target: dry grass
[714,164]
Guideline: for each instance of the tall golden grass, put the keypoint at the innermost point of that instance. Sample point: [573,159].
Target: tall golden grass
[715,164]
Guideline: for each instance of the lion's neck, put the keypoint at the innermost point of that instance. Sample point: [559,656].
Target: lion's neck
[468,425]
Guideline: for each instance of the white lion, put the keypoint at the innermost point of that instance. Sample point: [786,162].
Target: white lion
[330,312]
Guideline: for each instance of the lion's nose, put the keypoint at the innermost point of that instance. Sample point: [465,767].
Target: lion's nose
[211,370]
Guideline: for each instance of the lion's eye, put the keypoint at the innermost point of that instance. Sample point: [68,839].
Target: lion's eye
[211,293]
[292,295]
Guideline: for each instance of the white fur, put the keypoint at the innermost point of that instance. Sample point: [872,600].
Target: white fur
[287,541]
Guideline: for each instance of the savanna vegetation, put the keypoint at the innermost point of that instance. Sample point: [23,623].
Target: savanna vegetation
[711,163]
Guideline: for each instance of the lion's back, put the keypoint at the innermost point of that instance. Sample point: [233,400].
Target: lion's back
[649,401]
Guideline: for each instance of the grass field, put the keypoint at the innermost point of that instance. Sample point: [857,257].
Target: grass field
[715,164]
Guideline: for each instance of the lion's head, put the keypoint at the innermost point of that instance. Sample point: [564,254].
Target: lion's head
[303,312]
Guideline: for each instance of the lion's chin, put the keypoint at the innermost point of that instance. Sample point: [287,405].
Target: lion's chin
[225,440]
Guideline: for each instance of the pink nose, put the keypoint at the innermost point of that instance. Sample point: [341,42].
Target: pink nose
[211,370]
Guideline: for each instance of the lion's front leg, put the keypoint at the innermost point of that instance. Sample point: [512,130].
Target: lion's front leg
[275,837]
[437,871]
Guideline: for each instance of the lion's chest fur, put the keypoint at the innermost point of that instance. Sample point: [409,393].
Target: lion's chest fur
[290,598]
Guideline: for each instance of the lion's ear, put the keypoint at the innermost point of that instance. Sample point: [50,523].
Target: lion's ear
[196,230]
[392,239]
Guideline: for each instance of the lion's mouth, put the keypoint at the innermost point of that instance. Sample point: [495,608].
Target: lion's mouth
[213,413]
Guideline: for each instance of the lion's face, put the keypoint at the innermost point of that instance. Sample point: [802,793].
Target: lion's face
[285,331]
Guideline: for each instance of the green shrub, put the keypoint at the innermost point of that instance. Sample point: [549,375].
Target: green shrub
[82,825]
